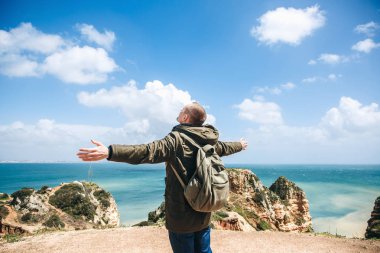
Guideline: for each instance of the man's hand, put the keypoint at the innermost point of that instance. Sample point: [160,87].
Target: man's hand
[98,153]
[244,143]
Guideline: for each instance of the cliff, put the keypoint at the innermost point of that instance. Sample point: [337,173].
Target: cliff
[72,206]
[252,206]
[373,228]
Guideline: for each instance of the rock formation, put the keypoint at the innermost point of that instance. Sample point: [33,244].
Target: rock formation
[252,206]
[72,206]
[373,228]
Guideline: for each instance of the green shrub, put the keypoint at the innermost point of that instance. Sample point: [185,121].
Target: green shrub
[259,197]
[222,214]
[3,212]
[43,189]
[10,238]
[219,215]
[4,196]
[70,199]
[299,221]
[54,222]
[21,195]
[263,225]
[251,214]
[29,218]
[103,197]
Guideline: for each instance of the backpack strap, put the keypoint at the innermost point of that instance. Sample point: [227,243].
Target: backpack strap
[179,162]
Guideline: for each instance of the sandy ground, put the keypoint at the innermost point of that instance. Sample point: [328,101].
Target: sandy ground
[151,239]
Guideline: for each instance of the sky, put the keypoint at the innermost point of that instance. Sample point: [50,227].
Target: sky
[297,79]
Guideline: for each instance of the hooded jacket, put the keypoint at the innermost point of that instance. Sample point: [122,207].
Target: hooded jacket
[180,217]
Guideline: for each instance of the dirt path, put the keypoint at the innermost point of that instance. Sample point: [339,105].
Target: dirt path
[154,240]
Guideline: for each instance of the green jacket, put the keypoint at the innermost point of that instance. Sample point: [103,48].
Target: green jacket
[180,217]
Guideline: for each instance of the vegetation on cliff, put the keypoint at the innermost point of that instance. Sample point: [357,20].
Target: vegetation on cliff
[71,198]
[76,205]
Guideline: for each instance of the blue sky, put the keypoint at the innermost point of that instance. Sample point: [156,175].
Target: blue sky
[298,79]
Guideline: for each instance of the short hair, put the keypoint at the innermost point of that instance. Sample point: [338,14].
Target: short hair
[196,113]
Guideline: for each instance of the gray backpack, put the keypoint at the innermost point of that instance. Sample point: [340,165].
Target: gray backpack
[208,187]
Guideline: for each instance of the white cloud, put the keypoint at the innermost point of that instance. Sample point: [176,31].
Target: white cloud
[330,77]
[27,38]
[288,86]
[368,28]
[105,39]
[288,25]
[157,103]
[332,58]
[312,62]
[81,65]
[150,113]
[348,133]
[351,116]
[266,89]
[333,77]
[18,66]
[365,46]
[310,79]
[261,112]
[47,140]
[275,90]
[28,52]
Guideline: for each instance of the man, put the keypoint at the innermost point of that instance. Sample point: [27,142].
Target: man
[189,230]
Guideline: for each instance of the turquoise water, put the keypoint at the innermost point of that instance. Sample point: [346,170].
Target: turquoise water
[341,197]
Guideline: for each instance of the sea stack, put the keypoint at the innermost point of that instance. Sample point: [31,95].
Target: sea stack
[373,228]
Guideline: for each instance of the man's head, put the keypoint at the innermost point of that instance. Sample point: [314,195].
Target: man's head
[192,113]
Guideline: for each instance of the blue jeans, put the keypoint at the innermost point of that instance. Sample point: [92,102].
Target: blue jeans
[197,242]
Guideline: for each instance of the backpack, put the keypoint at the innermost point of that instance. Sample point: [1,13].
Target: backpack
[208,187]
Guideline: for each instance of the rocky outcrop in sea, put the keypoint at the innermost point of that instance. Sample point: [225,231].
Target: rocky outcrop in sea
[252,206]
[69,206]
[373,228]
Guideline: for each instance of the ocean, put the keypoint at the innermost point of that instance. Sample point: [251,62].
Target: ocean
[341,197]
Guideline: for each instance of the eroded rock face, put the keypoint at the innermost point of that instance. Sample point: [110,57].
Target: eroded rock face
[282,207]
[252,206]
[373,228]
[230,221]
[76,205]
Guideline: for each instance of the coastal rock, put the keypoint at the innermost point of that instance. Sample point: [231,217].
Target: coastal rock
[373,228]
[72,206]
[230,221]
[252,206]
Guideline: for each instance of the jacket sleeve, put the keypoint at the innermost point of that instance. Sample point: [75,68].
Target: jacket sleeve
[227,148]
[154,152]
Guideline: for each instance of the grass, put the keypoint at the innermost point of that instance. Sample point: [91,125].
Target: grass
[219,215]
[263,225]
[4,196]
[327,234]
[10,238]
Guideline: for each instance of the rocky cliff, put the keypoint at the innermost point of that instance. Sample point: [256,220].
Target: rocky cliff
[72,206]
[373,228]
[252,206]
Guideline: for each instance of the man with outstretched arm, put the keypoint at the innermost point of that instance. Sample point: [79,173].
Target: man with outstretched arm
[189,230]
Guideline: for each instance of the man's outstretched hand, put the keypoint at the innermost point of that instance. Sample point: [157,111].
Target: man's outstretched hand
[244,144]
[98,153]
